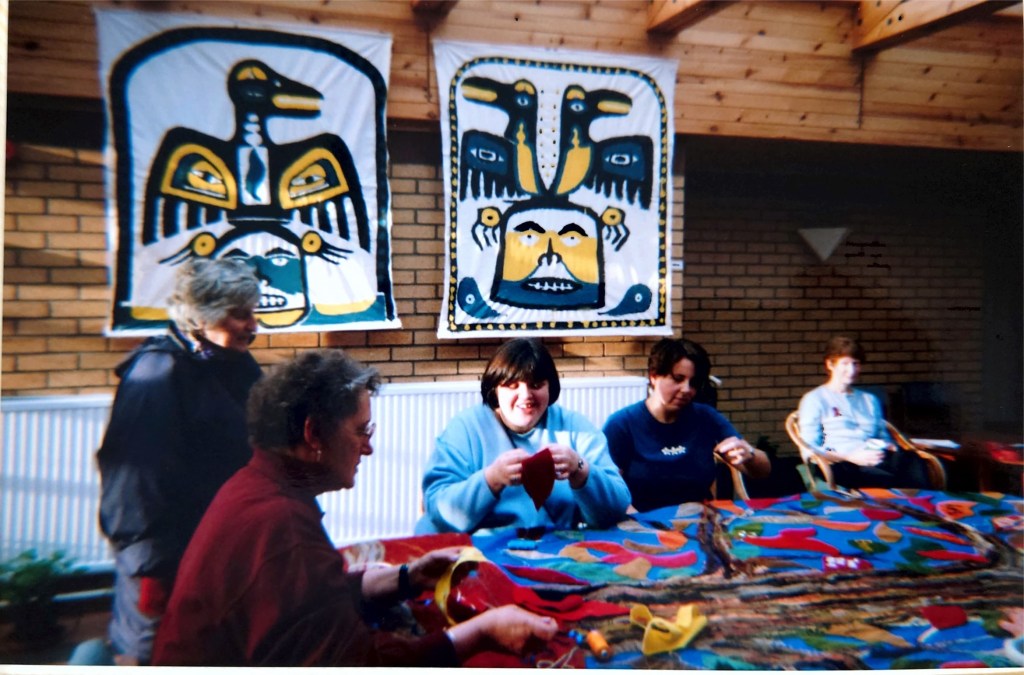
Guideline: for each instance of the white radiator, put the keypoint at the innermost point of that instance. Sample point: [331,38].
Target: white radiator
[49,486]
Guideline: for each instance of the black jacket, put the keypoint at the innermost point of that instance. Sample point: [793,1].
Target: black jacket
[177,432]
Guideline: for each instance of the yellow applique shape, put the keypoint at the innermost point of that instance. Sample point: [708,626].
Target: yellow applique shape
[444,585]
[868,633]
[662,635]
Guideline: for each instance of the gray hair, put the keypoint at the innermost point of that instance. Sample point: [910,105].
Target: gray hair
[323,386]
[206,291]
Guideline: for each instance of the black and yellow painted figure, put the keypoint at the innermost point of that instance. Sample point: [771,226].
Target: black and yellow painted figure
[281,203]
[551,249]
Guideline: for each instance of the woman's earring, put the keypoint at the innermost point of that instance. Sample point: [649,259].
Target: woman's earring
[319,455]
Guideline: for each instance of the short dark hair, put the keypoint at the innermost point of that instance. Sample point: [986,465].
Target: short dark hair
[520,360]
[321,385]
[840,346]
[667,352]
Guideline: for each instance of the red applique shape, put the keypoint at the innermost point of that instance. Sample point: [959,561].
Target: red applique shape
[942,617]
[539,477]
[797,538]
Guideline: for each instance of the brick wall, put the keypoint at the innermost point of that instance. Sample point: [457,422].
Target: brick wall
[908,281]
[56,295]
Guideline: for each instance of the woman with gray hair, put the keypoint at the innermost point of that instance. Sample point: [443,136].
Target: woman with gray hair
[262,585]
[176,433]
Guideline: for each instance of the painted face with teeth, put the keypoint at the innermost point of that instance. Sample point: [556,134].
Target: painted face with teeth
[550,258]
[280,267]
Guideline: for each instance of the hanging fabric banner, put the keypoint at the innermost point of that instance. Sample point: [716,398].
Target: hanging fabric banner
[558,191]
[251,140]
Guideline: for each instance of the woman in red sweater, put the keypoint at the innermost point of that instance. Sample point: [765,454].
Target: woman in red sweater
[262,584]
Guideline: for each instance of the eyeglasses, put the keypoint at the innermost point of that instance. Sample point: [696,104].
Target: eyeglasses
[367,430]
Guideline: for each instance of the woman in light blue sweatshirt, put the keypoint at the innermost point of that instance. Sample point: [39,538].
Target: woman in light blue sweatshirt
[474,479]
[846,423]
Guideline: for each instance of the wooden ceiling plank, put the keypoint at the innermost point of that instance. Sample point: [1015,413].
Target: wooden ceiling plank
[871,13]
[436,8]
[912,17]
[668,17]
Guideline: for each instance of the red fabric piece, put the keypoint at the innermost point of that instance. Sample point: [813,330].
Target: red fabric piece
[799,538]
[923,503]
[942,617]
[952,555]
[539,477]
[938,534]
[546,575]
[767,502]
[478,587]
[881,514]
[603,546]
[152,596]
[1007,456]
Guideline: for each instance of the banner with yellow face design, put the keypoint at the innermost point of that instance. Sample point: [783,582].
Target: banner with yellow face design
[251,140]
[558,191]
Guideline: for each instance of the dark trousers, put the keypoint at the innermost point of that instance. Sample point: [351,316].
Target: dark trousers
[899,469]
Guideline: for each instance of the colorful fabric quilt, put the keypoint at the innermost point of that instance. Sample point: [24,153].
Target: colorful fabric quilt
[877,579]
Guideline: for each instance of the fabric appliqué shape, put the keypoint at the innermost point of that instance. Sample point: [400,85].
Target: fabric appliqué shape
[539,477]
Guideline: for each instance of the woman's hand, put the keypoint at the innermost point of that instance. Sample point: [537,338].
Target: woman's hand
[866,456]
[424,572]
[735,451]
[744,458]
[569,465]
[509,627]
[505,470]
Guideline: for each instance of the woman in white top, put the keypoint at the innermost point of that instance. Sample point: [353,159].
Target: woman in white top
[843,422]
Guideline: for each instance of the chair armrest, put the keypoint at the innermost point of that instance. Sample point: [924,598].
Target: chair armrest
[936,472]
[824,464]
[739,487]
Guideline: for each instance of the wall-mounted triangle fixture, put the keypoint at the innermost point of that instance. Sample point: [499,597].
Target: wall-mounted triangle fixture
[824,240]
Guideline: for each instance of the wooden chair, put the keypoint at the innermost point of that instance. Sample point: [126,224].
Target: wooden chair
[739,487]
[813,460]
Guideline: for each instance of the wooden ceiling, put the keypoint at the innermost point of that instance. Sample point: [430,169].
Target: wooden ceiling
[879,23]
[929,73]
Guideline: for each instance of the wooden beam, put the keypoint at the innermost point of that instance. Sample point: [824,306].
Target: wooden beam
[668,17]
[432,7]
[882,23]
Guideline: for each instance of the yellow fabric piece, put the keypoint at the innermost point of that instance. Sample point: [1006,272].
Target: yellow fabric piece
[887,534]
[662,635]
[637,568]
[443,588]
[578,553]
[868,633]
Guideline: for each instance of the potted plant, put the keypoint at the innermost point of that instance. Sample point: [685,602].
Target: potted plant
[28,586]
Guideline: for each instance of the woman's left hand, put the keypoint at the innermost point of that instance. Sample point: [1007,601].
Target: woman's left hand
[569,465]
[424,572]
[735,451]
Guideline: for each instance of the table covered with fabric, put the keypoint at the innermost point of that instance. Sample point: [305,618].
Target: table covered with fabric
[877,579]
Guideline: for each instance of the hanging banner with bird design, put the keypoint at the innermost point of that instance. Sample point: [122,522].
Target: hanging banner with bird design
[558,191]
[248,140]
